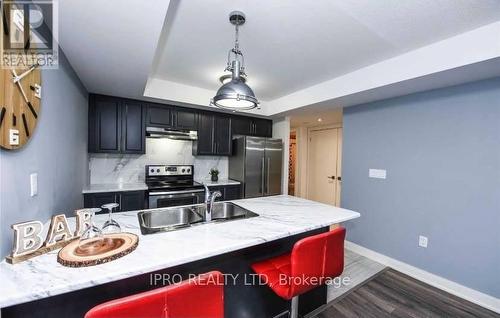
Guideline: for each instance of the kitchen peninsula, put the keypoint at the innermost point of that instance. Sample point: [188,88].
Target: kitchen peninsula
[42,281]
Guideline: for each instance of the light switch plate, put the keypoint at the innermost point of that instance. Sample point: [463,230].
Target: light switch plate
[377,173]
[34,184]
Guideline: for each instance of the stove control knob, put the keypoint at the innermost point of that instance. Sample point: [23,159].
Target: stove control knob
[158,170]
[152,170]
[188,170]
[183,170]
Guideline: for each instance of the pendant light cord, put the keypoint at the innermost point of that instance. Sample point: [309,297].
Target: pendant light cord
[237,52]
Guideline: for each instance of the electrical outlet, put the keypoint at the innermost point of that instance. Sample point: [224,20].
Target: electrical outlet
[34,184]
[422,241]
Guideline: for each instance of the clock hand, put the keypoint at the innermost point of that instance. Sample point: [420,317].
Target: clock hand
[17,78]
[25,97]
[20,87]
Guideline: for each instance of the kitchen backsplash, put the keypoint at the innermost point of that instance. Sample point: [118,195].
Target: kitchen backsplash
[113,168]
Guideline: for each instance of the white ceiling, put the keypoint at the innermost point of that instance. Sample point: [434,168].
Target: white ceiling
[291,45]
[309,117]
[297,52]
[111,44]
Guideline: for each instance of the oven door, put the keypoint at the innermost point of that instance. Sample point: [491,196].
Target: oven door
[175,198]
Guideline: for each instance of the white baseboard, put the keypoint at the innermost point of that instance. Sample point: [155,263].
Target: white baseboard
[472,295]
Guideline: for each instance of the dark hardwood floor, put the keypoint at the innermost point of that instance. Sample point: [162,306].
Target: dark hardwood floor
[393,294]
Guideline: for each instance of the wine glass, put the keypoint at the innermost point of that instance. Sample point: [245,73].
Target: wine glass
[111,226]
[92,238]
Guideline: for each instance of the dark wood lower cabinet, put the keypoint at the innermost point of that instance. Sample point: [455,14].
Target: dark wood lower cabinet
[96,200]
[232,192]
[229,192]
[136,200]
[132,200]
[129,200]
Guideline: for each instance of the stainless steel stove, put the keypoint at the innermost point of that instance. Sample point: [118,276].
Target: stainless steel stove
[172,185]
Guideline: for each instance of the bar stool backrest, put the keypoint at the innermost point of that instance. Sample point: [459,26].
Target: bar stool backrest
[199,297]
[315,259]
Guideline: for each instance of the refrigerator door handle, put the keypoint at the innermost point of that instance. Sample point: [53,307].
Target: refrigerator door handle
[268,172]
[262,176]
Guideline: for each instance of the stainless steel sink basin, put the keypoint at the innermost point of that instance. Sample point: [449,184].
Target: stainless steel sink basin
[167,219]
[171,219]
[228,211]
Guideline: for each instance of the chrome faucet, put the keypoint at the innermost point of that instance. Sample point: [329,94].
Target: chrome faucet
[209,202]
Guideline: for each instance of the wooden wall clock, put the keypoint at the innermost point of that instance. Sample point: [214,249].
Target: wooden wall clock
[21,93]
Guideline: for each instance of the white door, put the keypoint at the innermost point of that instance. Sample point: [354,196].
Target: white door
[322,166]
[338,182]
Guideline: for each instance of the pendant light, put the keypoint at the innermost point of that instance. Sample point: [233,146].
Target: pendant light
[235,94]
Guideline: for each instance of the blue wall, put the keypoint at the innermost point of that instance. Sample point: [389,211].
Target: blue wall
[441,149]
[57,151]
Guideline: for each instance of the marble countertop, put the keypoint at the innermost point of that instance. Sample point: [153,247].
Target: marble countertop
[114,187]
[221,182]
[279,217]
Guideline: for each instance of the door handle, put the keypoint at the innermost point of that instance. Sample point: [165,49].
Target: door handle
[267,174]
[331,177]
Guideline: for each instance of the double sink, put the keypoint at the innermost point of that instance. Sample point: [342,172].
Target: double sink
[171,219]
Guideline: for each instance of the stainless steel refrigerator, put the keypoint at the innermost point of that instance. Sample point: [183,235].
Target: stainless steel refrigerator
[257,163]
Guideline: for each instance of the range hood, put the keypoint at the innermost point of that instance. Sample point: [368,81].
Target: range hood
[177,134]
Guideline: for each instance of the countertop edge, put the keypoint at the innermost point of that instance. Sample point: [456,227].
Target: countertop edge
[119,187]
[139,186]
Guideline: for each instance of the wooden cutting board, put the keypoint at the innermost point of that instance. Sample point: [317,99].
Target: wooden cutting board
[112,246]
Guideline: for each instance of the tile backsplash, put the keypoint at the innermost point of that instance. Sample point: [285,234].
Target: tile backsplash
[117,168]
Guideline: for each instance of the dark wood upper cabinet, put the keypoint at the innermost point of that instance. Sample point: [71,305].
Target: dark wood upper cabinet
[116,125]
[185,119]
[262,127]
[133,128]
[241,125]
[159,116]
[104,125]
[205,143]
[248,126]
[214,135]
[171,117]
[223,136]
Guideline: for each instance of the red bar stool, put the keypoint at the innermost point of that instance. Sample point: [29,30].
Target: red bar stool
[312,260]
[202,296]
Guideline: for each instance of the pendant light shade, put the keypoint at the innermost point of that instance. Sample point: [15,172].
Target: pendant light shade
[236,94]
